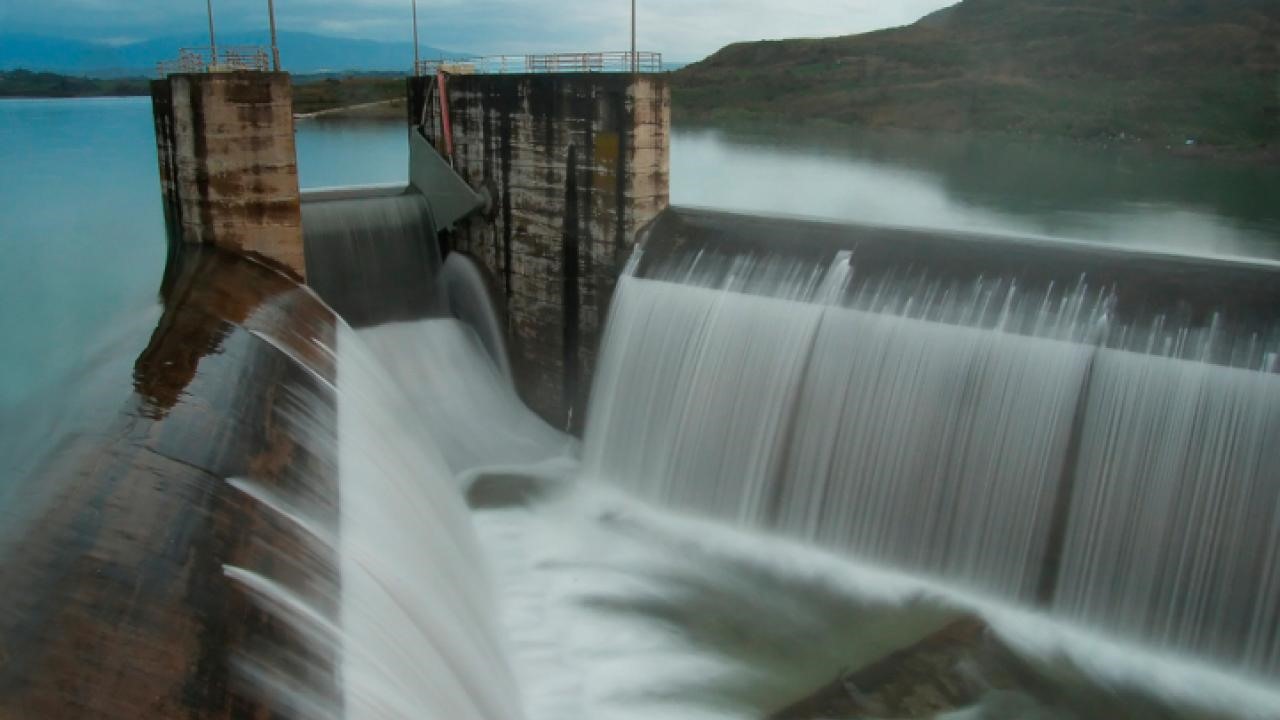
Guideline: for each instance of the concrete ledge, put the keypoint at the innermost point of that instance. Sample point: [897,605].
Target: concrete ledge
[354,192]
[1145,281]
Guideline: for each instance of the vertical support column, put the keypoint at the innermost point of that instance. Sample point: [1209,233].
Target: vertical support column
[446,119]
[228,166]
[574,164]
[275,41]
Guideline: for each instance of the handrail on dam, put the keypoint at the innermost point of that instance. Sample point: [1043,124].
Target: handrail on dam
[601,62]
[203,60]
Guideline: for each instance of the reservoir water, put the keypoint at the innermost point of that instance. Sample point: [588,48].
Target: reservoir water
[83,230]
[1011,186]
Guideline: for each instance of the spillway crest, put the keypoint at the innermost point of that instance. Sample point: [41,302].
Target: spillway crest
[1041,443]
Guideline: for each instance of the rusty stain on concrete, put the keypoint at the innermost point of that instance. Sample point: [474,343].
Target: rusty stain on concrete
[116,601]
[515,135]
[228,166]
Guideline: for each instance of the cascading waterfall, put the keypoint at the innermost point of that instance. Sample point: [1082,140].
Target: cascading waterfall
[418,614]
[1012,440]
[932,433]
[403,609]
[809,414]
[1020,442]
[371,253]
[1176,509]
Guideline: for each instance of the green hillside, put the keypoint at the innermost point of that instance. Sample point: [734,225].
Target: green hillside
[23,83]
[1161,71]
[311,93]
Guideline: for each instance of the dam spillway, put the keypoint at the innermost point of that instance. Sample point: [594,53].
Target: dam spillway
[371,253]
[810,451]
[1048,444]
[1100,452]
[786,394]
[221,547]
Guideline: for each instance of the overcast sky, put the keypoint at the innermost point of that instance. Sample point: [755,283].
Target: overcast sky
[681,29]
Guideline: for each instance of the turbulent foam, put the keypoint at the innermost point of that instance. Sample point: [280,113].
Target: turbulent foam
[618,609]
[465,403]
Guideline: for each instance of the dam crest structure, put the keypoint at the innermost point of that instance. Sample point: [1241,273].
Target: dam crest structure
[519,439]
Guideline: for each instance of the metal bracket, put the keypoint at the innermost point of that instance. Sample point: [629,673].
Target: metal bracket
[449,196]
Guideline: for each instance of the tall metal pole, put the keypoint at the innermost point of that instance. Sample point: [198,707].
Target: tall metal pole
[275,46]
[635,62]
[415,37]
[213,44]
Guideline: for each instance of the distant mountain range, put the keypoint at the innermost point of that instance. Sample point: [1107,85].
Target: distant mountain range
[299,52]
[1165,71]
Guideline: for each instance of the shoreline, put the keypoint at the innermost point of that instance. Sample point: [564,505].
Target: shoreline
[392,109]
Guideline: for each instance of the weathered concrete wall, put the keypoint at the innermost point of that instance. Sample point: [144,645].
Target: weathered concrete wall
[228,167]
[575,165]
[116,603]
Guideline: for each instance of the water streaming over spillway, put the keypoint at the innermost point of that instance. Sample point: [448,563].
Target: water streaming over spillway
[403,606]
[1175,517]
[418,612]
[268,522]
[371,253]
[1025,444]
[406,610]
[1010,438]
[896,453]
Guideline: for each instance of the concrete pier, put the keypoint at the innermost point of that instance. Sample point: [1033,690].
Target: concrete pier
[574,165]
[228,167]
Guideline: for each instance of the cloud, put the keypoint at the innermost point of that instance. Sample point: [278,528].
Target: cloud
[681,29]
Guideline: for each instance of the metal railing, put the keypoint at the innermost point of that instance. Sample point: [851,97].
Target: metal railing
[202,60]
[600,62]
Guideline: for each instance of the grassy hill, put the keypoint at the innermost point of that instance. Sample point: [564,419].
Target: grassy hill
[311,93]
[317,94]
[1161,71]
[303,53]
[23,83]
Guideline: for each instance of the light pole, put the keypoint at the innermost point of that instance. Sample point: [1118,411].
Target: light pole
[635,63]
[213,45]
[275,47]
[415,37]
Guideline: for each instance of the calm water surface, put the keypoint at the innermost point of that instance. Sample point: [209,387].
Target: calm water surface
[82,228]
[1005,186]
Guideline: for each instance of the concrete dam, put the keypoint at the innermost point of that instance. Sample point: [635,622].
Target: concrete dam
[519,440]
